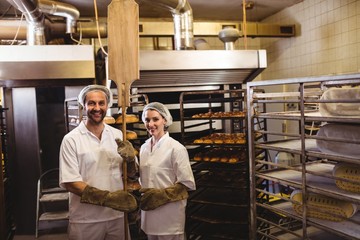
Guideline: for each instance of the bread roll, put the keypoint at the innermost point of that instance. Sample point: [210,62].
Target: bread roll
[130,118]
[109,120]
[131,135]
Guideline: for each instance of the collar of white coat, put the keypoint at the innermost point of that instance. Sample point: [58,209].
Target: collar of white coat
[162,139]
[84,130]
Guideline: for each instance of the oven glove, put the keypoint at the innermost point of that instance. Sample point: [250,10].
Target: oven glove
[120,200]
[153,198]
[126,150]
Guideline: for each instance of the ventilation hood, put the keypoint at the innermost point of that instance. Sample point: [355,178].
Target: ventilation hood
[44,62]
[204,67]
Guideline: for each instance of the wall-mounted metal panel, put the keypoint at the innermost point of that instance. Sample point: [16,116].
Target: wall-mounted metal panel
[43,62]
[207,67]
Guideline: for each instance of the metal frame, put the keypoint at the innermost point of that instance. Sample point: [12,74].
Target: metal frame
[305,172]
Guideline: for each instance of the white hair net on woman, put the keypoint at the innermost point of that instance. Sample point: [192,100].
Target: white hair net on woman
[160,108]
[91,88]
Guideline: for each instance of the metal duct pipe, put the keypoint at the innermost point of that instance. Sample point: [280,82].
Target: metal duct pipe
[229,35]
[9,28]
[63,10]
[56,30]
[34,17]
[183,21]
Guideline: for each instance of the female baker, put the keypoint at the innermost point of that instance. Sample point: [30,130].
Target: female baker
[165,175]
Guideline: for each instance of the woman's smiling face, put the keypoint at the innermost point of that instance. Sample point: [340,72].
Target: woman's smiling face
[154,123]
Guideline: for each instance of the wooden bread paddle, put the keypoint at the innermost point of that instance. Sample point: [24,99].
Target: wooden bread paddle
[123,58]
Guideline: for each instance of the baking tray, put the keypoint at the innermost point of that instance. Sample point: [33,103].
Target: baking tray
[221,214]
[319,183]
[224,179]
[220,231]
[348,228]
[223,197]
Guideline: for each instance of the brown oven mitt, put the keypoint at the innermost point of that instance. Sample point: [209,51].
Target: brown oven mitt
[119,200]
[153,198]
[127,152]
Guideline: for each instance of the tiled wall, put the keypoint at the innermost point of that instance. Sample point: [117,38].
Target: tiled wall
[327,40]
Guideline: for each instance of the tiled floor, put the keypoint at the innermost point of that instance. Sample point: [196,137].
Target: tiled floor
[42,237]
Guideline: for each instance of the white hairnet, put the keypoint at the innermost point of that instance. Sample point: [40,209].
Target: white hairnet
[90,88]
[160,108]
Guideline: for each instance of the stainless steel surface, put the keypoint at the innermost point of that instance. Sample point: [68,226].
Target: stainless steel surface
[183,21]
[308,177]
[46,62]
[10,27]
[35,19]
[207,67]
[69,12]
[24,152]
[228,36]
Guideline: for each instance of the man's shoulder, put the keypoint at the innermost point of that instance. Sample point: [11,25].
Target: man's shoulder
[113,130]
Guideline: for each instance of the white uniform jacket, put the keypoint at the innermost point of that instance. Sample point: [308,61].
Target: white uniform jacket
[83,157]
[166,165]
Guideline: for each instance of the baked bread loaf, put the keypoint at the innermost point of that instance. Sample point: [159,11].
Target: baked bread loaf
[131,135]
[323,207]
[109,120]
[222,138]
[219,114]
[350,172]
[129,118]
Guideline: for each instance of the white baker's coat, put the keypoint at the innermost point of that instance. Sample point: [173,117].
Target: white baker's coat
[166,165]
[83,157]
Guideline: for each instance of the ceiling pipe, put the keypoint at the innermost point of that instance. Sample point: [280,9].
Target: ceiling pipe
[34,14]
[9,27]
[183,21]
[36,28]
[63,10]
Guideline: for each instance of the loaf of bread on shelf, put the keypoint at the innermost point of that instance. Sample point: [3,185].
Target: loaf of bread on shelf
[344,132]
[198,156]
[109,120]
[220,154]
[219,114]
[131,135]
[222,138]
[323,207]
[340,108]
[348,172]
[129,118]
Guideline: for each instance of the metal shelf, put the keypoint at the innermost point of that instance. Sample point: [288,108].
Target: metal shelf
[313,174]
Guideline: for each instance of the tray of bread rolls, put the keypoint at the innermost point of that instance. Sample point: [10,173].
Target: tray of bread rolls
[221,155]
[222,138]
[234,114]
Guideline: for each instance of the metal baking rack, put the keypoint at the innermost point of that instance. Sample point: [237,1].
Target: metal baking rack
[291,105]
